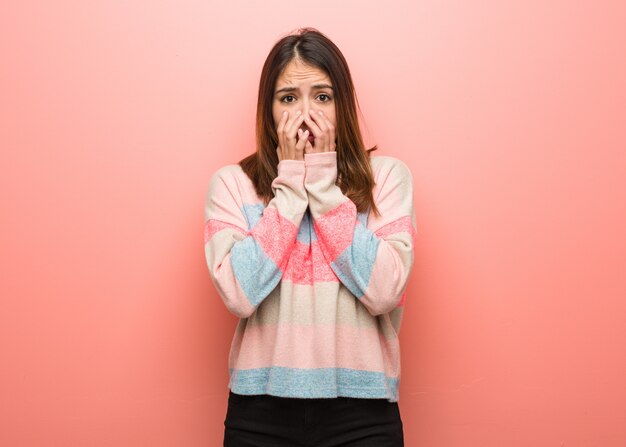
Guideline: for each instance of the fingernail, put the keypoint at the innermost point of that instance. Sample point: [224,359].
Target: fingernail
[284,112]
[298,112]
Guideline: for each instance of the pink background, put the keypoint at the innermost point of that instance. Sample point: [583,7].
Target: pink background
[511,115]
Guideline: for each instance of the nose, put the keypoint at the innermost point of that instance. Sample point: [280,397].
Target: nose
[307,106]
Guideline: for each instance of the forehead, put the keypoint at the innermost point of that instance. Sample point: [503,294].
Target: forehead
[297,71]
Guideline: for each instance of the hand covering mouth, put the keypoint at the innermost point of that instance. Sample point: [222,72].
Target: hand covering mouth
[311,137]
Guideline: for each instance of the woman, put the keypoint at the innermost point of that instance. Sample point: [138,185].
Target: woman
[309,241]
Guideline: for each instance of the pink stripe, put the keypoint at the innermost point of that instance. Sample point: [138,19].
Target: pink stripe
[212,226]
[335,229]
[307,265]
[318,347]
[275,234]
[401,225]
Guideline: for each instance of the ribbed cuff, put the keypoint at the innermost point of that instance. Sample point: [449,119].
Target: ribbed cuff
[321,158]
[293,167]
[321,170]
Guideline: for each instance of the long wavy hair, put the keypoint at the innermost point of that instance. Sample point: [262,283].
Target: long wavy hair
[354,171]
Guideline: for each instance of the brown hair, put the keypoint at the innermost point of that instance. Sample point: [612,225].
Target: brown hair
[354,172]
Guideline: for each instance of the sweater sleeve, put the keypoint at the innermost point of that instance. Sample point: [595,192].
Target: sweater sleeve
[245,263]
[372,260]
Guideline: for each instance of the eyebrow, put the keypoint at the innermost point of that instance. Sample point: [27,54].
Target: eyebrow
[293,89]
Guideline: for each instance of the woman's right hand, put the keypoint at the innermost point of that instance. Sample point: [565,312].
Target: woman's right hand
[290,148]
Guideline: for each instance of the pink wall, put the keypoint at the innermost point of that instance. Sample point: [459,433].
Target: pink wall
[511,115]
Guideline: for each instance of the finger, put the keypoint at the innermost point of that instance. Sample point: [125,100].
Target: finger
[282,121]
[279,129]
[303,139]
[286,121]
[308,148]
[292,126]
[330,131]
[286,136]
[323,142]
[327,142]
[290,135]
[318,117]
[289,123]
[315,128]
[317,132]
[299,138]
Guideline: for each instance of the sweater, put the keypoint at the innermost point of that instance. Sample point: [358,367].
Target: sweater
[318,287]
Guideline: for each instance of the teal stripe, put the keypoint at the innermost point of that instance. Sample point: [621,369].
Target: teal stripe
[253,213]
[354,265]
[306,233]
[256,273]
[314,383]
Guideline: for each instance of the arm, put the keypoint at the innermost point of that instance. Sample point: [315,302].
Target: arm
[372,261]
[246,265]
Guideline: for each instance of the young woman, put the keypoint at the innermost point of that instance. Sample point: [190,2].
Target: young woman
[309,241]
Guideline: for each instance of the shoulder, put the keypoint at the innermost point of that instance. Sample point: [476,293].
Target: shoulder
[393,188]
[385,165]
[233,181]
[230,175]
[227,171]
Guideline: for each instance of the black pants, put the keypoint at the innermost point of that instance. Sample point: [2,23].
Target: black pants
[270,421]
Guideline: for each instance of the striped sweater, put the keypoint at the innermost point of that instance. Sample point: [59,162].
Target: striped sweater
[318,287]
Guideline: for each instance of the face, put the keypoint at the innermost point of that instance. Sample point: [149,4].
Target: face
[306,88]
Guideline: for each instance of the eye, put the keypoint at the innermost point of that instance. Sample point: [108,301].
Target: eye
[326,96]
[285,97]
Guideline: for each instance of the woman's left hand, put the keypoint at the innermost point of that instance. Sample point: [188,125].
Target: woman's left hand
[323,131]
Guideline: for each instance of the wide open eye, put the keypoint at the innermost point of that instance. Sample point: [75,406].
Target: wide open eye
[285,97]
